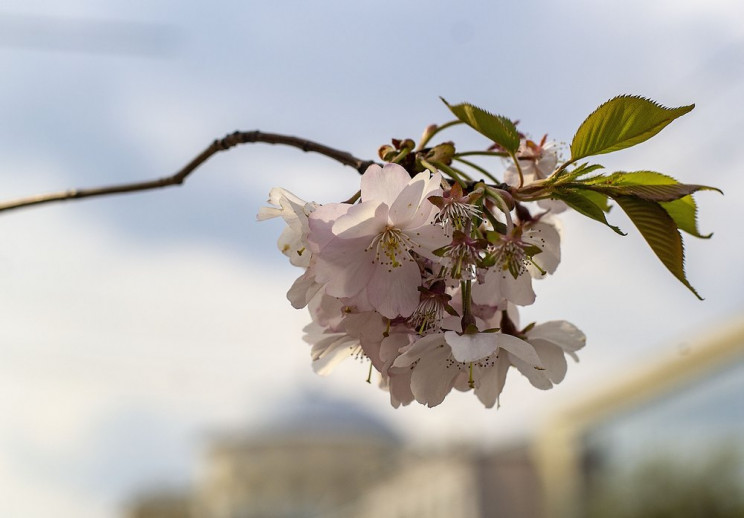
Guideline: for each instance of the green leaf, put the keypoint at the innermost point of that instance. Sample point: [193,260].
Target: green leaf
[641,177]
[599,199]
[659,230]
[620,123]
[647,185]
[668,192]
[496,127]
[684,213]
[586,203]
[580,170]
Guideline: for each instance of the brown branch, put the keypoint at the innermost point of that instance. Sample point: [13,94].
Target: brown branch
[231,140]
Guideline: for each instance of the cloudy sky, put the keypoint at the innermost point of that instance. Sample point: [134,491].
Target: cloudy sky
[133,327]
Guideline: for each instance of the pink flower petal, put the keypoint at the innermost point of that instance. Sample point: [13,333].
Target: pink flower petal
[344,266]
[364,219]
[383,184]
[519,348]
[538,378]
[559,332]
[303,289]
[321,223]
[430,380]
[419,348]
[552,358]
[473,347]
[393,291]
[490,381]
[519,290]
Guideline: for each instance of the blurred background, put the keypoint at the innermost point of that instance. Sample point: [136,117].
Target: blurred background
[150,364]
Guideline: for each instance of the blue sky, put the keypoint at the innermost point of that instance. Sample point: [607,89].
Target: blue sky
[133,325]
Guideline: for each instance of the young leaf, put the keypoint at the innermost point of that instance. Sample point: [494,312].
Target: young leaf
[647,185]
[660,231]
[622,122]
[496,127]
[581,170]
[599,199]
[588,204]
[668,192]
[684,213]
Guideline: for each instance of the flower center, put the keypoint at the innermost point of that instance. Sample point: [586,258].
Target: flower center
[511,256]
[391,246]
[456,215]
[428,315]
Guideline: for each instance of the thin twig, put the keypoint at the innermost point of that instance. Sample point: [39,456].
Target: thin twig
[231,140]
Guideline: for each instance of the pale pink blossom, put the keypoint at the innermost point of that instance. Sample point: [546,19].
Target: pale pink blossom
[440,361]
[293,239]
[339,331]
[553,341]
[370,244]
[396,380]
[530,251]
[537,162]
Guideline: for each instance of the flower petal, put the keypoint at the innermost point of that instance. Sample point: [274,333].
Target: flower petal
[490,381]
[391,346]
[519,290]
[344,267]
[303,289]
[538,378]
[331,351]
[428,237]
[559,332]
[408,202]
[471,347]
[383,184]
[320,224]
[519,348]
[412,207]
[430,379]
[546,237]
[418,349]
[363,219]
[552,358]
[393,290]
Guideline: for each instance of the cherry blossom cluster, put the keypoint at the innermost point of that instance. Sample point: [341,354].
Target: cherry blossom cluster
[421,275]
[422,270]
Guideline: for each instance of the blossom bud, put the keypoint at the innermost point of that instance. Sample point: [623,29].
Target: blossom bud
[501,197]
[407,144]
[386,152]
[442,153]
[428,132]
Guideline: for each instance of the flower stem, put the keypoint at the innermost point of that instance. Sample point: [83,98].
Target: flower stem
[468,320]
[400,156]
[354,198]
[444,126]
[519,169]
[477,168]
[457,175]
[482,153]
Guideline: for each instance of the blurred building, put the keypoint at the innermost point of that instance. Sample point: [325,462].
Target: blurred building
[666,440]
[321,454]
[329,458]
[456,482]
[163,503]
